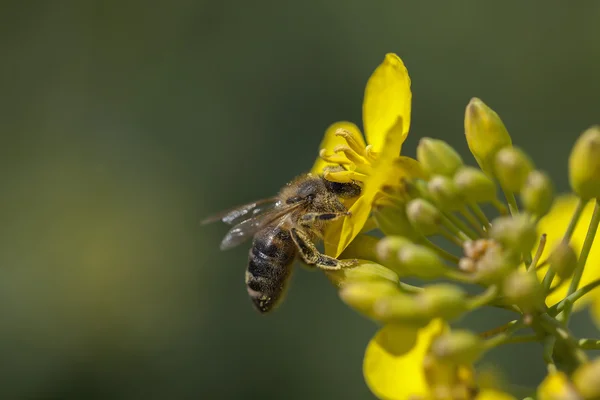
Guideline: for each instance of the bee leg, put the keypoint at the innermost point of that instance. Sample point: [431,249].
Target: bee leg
[309,219]
[311,255]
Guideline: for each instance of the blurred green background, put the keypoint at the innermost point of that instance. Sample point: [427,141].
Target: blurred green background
[124,123]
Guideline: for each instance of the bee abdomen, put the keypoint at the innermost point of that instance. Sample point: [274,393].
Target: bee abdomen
[269,268]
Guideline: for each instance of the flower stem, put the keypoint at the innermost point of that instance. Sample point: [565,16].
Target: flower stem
[538,253]
[483,219]
[441,252]
[484,298]
[452,238]
[468,215]
[589,344]
[511,200]
[572,298]
[453,224]
[554,327]
[585,252]
[549,277]
[505,336]
[498,329]
[500,207]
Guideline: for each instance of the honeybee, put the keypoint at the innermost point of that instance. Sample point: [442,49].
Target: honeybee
[284,228]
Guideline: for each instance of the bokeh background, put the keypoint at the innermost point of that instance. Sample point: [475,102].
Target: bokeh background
[124,123]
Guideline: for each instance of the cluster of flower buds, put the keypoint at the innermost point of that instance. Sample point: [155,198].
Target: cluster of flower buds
[467,225]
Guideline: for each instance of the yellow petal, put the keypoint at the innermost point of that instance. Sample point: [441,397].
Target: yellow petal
[393,366]
[554,225]
[387,98]
[556,386]
[341,232]
[330,141]
[489,394]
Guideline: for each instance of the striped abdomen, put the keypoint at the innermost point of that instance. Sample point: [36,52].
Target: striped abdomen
[269,267]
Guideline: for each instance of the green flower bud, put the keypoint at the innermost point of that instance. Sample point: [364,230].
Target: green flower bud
[516,233]
[365,271]
[460,347]
[524,289]
[444,193]
[512,166]
[421,261]
[387,252]
[423,216]
[537,193]
[474,185]
[494,265]
[362,296]
[563,260]
[587,380]
[417,188]
[584,164]
[400,308]
[391,219]
[442,301]
[485,132]
[437,157]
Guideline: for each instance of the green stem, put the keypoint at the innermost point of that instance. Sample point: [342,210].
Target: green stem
[511,200]
[458,276]
[441,252]
[555,328]
[452,238]
[498,329]
[538,253]
[549,277]
[572,298]
[589,344]
[466,213]
[585,252]
[488,296]
[519,339]
[500,207]
[503,337]
[453,224]
[480,215]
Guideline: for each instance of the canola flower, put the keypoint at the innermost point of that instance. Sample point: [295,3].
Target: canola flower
[534,254]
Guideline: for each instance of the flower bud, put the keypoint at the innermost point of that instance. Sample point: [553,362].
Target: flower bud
[485,132]
[442,300]
[584,164]
[437,157]
[391,219]
[524,289]
[537,193]
[421,262]
[512,166]
[460,347]
[444,193]
[587,380]
[494,265]
[387,252]
[474,185]
[423,216]
[362,296]
[563,260]
[365,271]
[516,233]
[399,308]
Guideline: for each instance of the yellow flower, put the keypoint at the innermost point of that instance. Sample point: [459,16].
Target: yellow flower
[386,120]
[398,366]
[556,386]
[554,225]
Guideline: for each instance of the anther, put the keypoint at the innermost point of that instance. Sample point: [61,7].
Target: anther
[344,176]
[370,153]
[333,158]
[351,140]
[351,154]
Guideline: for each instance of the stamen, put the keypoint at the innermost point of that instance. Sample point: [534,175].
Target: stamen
[371,154]
[351,154]
[344,176]
[333,158]
[351,140]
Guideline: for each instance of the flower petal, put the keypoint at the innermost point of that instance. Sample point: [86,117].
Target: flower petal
[556,386]
[488,394]
[554,225]
[387,98]
[393,364]
[330,140]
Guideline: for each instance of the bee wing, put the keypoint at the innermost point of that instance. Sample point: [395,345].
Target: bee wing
[248,228]
[238,214]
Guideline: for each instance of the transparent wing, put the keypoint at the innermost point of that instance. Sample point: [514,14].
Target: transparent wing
[238,214]
[248,228]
